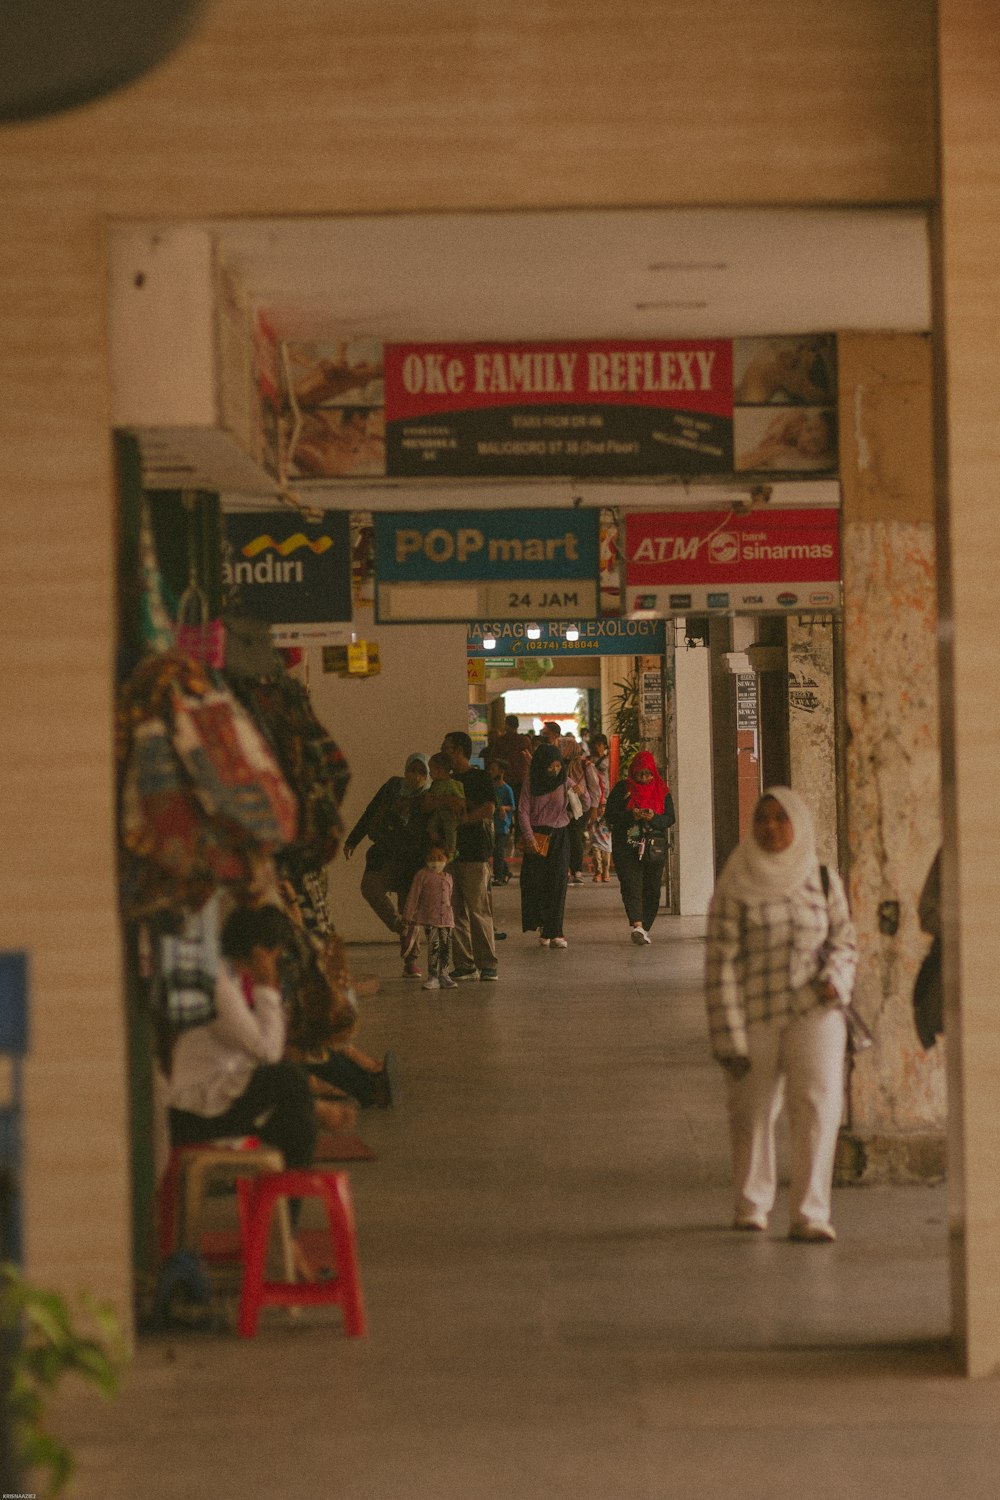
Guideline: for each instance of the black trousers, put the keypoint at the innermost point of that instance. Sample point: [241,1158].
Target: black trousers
[344,1073]
[543,886]
[277,1091]
[640,881]
[576,844]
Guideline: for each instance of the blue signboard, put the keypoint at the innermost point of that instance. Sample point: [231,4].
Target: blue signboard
[486,546]
[596,638]
[287,570]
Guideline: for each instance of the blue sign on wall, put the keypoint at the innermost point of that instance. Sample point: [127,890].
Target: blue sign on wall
[610,637]
[483,546]
[290,571]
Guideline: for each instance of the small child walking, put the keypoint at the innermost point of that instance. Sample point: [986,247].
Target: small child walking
[503,820]
[428,905]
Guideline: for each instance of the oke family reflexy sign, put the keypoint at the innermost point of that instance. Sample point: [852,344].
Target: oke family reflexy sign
[581,409]
[547,409]
[289,571]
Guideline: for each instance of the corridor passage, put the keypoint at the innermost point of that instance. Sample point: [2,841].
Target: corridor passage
[557,1305]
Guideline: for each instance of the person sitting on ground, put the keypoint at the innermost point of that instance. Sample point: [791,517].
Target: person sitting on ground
[428,905]
[503,820]
[639,812]
[394,822]
[322,1022]
[230,1077]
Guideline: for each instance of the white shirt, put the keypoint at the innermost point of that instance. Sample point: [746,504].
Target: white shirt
[213,1064]
[767,958]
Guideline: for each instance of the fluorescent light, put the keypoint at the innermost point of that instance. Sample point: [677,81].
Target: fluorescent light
[572,632]
[489,643]
[534,632]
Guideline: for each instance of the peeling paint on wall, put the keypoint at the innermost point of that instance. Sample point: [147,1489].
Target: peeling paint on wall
[893,773]
[811,732]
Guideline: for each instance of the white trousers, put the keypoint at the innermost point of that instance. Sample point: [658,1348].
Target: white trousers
[799,1061]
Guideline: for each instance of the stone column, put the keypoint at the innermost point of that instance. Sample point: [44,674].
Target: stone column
[897,1097]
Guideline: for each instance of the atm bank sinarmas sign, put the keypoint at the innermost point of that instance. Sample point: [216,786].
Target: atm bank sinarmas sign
[515,563]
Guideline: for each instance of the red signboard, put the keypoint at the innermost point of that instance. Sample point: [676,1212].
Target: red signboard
[695,561]
[607,407]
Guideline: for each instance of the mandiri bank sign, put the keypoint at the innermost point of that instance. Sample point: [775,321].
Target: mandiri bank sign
[695,562]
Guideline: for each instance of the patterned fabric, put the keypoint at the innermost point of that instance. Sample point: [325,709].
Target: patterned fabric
[313,764]
[438,951]
[189,962]
[322,1001]
[203,802]
[766,958]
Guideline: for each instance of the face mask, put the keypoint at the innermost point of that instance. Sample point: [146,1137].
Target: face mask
[435,864]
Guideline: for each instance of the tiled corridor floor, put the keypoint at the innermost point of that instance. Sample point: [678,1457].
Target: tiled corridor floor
[557,1306]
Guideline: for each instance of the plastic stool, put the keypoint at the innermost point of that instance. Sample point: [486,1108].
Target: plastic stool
[257,1199]
[186,1182]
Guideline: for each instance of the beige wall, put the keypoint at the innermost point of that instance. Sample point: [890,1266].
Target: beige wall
[419,695]
[318,106]
[970,549]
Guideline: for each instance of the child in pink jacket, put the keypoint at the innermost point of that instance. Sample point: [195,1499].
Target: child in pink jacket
[428,905]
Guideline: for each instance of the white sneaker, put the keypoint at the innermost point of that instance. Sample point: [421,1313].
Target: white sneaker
[559,943]
[813,1234]
[431,984]
[545,942]
[755,1223]
[640,937]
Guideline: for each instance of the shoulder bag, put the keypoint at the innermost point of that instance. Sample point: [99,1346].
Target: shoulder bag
[859,1035]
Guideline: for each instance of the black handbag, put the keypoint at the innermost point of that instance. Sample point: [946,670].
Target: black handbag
[928,1006]
[859,1037]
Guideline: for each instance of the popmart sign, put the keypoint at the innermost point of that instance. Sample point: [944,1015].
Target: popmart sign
[680,548]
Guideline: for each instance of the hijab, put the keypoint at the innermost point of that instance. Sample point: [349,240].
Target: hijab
[646,793]
[753,874]
[539,777]
[416,791]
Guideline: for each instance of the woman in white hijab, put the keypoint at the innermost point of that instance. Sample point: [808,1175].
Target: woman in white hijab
[779,971]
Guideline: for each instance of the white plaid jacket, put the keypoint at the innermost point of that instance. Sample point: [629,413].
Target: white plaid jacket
[765,958]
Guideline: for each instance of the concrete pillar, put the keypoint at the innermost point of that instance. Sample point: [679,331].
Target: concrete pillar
[969,459]
[811,727]
[693,789]
[893,765]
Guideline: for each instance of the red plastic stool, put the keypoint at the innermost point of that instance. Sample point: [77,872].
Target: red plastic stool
[257,1198]
[183,1184]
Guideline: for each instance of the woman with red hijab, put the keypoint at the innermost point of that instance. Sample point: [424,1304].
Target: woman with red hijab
[639,811]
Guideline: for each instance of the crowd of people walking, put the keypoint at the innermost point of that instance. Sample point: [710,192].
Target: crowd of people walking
[450,826]
[780,959]
[781,950]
